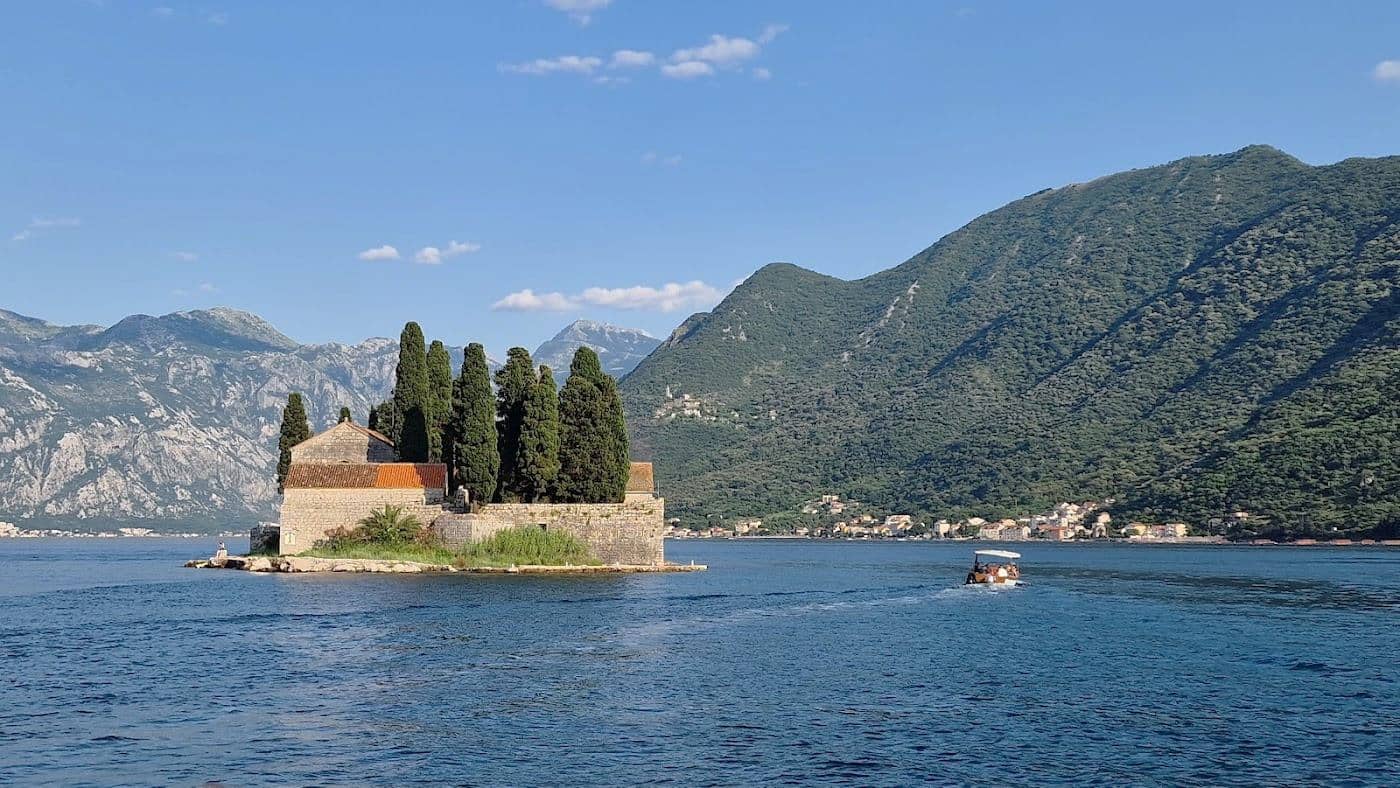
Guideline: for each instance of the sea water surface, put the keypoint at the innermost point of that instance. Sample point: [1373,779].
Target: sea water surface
[787,662]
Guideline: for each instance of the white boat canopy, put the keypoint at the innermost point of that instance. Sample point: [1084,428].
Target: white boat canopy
[998,554]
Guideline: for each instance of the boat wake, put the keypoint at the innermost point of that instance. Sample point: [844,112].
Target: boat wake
[639,634]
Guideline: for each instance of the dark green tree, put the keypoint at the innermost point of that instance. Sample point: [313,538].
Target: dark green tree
[439,399]
[617,451]
[295,429]
[593,451]
[476,461]
[514,382]
[412,398]
[381,418]
[537,460]
[344,414]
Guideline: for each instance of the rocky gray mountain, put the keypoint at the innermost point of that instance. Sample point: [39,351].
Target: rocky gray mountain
[175,418]
[619,349]
[171,417]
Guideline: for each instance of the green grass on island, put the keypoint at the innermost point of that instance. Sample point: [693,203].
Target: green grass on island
[390,535]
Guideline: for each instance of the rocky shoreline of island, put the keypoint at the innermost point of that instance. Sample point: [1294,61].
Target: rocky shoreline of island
[296,564]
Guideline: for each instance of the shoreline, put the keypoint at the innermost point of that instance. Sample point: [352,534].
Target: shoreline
[1208,541]
[294,564]
[1190,541]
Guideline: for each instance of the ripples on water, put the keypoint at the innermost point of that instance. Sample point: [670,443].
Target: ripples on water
[786,662]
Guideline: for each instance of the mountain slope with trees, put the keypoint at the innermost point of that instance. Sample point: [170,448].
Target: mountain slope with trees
[1212,335]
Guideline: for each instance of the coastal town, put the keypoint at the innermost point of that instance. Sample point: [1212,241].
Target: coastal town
[11,531]
[832,517]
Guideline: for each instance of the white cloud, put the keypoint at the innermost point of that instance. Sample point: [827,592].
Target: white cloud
[719,50]
[385,252]
[631,58]
[432,255]
[581,11]
[690,69]
[185,257]
[528,301]
[762,74]
[666,298]
[39,223]
[771,32]
[566,64]
[1387,71]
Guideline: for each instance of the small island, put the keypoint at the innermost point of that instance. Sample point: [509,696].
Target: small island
[451,476]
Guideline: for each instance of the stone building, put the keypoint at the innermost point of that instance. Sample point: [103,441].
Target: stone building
[338,477]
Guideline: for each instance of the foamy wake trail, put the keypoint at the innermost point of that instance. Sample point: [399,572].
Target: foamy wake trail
[642,633]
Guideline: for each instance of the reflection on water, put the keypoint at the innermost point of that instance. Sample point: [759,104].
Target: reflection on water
[798,662]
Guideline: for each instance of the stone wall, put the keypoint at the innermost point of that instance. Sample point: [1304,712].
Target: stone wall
[617,533]
[308,513]
[343,443]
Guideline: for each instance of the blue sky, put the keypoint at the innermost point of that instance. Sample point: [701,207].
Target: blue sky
[604,156]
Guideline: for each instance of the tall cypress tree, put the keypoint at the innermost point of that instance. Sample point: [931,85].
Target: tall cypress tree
[412,400]
[344,415]
[537,460]
[476,461]
[295,429]
[593,451]
[439,399]
[513,384]
[616,451]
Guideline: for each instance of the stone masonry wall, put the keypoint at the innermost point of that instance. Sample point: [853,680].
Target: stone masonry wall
[308,513]
[342,445]
[617,533]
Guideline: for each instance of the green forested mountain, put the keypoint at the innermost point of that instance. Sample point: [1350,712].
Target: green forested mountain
[1215,334]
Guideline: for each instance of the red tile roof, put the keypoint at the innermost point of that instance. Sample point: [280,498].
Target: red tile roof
[366,475]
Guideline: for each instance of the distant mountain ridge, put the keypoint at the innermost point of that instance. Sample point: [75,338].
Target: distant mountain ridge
[619,349]
[1209,336]
[173,418]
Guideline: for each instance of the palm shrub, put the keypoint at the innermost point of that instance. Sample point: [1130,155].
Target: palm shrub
[389,525]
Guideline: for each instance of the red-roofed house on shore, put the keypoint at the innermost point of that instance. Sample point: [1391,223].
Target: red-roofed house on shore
[338,477]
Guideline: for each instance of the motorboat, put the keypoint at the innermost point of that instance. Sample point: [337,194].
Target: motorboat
[994,568]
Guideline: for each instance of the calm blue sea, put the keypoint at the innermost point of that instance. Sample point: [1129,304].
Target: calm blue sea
[790,662]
